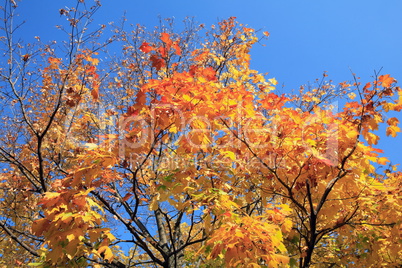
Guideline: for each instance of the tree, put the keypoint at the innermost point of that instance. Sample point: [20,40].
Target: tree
[176,153]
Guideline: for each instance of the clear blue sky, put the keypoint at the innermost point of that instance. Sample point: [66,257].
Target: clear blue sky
[307,37]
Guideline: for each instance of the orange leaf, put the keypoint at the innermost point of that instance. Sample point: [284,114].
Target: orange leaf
[166,39]
[162,51]
[367,86]
[203,56]
[54,60]
[141,98]
[39,226]
[209,73]
[386,80]
[54,63]
[95,93]
[146,48]
[177,48]
[393,121]
[127,196]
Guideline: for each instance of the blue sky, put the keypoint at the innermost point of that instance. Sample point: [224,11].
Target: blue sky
[307,37]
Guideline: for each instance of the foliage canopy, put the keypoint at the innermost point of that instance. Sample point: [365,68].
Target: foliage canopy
[176,153]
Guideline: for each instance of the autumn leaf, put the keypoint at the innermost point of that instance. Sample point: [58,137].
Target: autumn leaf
[177,49]
[146,48]
[157,62]
[106,252]
[95,94]
[25,57]
[165,38]
[230,154]
[127,196]
[392,130]
[382,160]
[209,73]
[393,121]
[371,138]
[386,80]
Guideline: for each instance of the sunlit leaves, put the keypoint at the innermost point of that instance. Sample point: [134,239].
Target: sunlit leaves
[72,219]
[248,242]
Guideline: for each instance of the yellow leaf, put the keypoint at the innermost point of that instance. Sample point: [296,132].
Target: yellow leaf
[352,95]
[91,146]
[107,253]
[66,217]
[92,203]
[282,259]
[351,134]
[382,160]
[230,154]
[273,81]
[286,226]
[70,237]
[154,204]
[371,138]
[109,235]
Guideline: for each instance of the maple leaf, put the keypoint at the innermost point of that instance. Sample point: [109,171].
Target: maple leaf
[393,121]
[106,252]
[165,38]
[157,62]
[177,49]
[146,48]
[392,130]
[95,93]
[386,80]
[209,73]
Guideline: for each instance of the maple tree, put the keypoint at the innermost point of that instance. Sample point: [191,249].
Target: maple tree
[176,153]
